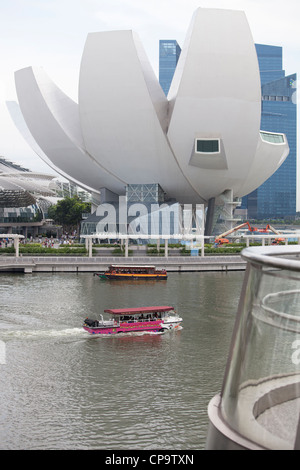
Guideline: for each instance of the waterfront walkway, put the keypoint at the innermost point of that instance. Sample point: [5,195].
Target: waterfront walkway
[55,264]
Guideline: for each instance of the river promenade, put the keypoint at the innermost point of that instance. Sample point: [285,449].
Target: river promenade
[79,264]
[172,261]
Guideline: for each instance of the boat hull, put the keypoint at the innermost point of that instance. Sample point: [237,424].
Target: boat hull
[130,327]
[127,276]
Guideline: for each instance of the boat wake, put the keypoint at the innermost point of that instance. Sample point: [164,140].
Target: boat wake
[7,335]
[75,333]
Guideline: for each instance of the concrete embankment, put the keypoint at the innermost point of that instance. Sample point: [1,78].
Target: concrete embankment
[56,264]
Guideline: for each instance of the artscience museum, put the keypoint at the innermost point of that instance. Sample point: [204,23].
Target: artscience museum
[200,145]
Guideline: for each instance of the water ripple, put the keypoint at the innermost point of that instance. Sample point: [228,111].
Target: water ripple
[60,388]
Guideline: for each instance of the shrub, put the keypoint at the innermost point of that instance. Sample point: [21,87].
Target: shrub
[52,251]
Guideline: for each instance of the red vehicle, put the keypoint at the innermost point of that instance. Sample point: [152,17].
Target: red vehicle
[220,240]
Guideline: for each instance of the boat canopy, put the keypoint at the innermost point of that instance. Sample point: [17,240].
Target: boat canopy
[138,310]
[131,266]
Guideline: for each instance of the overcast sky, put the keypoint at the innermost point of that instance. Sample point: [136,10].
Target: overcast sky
[52,34]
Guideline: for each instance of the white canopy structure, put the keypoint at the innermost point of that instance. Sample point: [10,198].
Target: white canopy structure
[20,187]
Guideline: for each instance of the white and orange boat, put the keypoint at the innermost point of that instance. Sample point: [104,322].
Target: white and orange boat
[128,320]
[123,272]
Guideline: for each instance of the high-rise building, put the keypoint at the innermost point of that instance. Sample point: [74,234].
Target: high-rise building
[169,52]
[276,198]
[270,63]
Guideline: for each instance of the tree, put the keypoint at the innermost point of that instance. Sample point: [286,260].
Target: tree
[68,213]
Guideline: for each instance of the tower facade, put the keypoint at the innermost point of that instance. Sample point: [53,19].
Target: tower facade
[169,52]
[276,198]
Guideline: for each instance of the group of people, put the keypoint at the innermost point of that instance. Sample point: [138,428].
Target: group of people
[4,242]
[142,317]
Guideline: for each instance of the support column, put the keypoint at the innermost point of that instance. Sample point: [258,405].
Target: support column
[209,216]
[166,248]
[16,245]
[126,248]
[90,247]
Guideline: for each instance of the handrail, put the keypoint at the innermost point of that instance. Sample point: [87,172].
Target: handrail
[273,256]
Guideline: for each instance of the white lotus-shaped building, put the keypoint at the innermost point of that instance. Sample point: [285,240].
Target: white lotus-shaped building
[197,143]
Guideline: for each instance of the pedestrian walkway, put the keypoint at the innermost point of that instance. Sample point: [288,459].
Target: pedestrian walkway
[32,264]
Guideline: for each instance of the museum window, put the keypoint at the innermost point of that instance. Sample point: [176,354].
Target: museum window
[273,138]
[207,146]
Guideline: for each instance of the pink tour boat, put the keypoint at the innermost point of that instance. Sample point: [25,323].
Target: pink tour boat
[128,320]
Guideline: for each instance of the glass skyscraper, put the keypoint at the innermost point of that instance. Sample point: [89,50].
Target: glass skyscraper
[169,52]
[276,198]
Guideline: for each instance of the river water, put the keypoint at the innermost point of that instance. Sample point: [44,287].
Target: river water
[61,388]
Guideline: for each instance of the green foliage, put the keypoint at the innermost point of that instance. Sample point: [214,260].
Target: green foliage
[224,250]
[121,251]
[9,249]
[52,251]
[154,251]
[105,245]
[30,245]
[162,245]
[68,212]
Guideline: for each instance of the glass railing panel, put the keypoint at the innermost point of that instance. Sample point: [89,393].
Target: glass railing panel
[261,390]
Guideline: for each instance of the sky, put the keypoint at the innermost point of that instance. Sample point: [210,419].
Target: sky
[52,33]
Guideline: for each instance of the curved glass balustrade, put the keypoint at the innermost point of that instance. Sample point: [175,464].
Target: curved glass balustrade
[259,403]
